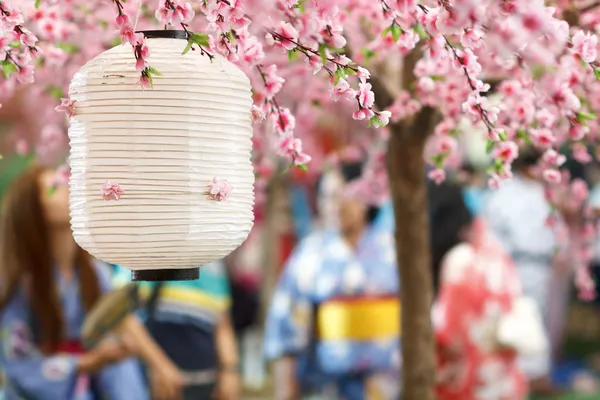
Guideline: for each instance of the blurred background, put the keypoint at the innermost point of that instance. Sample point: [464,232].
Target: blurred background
[277,319]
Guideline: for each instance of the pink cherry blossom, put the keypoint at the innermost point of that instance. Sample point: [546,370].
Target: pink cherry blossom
[506,151]
[219,189]
[257,114]
[273,82]
[437,175]
[343,90]
[366,97]
[284,36]
[579,191]
[585,45]
[580,153]
[61,176]
[552,176]
[111,191]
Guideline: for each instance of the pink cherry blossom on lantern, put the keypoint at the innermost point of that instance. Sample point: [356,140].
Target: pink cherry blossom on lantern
[219,189]
[67,106]
[111,191]
[585,45]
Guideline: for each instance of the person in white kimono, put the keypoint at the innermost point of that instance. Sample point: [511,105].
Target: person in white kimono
[517,215]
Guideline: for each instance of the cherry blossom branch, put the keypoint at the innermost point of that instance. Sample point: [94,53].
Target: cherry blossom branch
[11,18]
[191,38]
[590,7]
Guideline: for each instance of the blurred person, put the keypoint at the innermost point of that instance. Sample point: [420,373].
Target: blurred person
[474,189]
[517,214]
[333,325]
[476,285]
[190,321]
[48,284]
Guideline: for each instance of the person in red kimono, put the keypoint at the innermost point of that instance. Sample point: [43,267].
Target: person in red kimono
[476,287]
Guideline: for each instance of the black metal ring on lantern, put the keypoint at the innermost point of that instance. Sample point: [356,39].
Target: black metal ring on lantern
[164,34]
[165,275]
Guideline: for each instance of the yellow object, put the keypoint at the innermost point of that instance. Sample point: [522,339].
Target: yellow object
[359,319]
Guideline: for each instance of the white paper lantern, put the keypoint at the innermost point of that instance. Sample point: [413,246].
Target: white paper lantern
[163,147]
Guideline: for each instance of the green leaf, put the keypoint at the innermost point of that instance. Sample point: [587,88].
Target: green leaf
[386,31]
[583,116]
[303,167]
[188,47]
[420,30]
[37,3]
[51,190]
[322,53]
[396,32]
[538,71]
[292,55]
[300,5]
[68,47]
[200,39]
[437,78]
[338,74]
[522,134]
[15,44]
[438,160]
[374,121]
[350,71]
[55,92]
[489,146]
[116,42]
[502,136]
[9,68]
[597,73]
[153,71]
[368,53]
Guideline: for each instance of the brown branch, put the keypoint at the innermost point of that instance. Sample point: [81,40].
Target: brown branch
[383,97]
[408,68]
[590,7]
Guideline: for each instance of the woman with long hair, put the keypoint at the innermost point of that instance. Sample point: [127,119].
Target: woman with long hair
[47,285]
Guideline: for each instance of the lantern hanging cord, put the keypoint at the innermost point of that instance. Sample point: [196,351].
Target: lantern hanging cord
[137,17]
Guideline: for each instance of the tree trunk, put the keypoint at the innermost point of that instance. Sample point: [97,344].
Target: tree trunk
[408,188]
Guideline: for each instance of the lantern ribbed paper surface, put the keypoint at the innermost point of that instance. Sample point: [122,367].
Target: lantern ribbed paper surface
[163,146]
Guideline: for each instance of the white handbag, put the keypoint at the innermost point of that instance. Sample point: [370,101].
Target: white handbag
[522,329]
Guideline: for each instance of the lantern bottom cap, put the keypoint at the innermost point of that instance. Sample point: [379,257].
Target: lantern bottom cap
[165,275]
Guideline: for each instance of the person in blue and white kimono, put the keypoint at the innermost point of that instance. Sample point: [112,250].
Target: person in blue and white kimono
[47,284]
[333,325]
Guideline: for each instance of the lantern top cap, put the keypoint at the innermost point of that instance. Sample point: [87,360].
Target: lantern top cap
[165,34]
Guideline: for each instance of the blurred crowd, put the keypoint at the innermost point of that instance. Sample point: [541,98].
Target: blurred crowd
[313,294]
